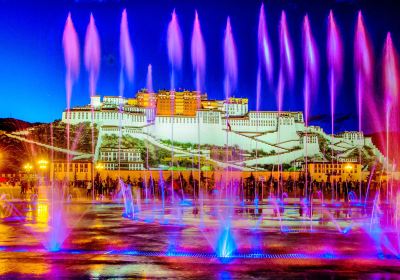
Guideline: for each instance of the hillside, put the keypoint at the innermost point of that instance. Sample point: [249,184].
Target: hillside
[11,124]
[14,153]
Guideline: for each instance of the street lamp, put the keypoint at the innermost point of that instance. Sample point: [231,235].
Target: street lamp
[99,166]
[348,167]
[43,164]
[28,167]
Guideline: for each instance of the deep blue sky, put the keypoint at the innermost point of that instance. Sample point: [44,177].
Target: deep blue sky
[32,66]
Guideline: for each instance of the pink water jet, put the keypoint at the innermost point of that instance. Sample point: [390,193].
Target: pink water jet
[265,58]
[311,66]
[335,63]
[198,51]
[286,68]
[175,47]
[92,54]
[363,66]
[390,73]
[149,79]
[391,91]
[71,56]
[230,61]
[125,52]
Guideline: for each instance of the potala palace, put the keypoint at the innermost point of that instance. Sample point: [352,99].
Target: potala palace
[190,117]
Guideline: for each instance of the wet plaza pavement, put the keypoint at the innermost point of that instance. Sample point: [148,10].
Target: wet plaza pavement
[96,241]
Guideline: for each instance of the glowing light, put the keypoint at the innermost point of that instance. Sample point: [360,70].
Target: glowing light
[43,163]
[28,167]
[100,166]
[226,245]
[348,167]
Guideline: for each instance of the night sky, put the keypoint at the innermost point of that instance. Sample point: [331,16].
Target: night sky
[32,67]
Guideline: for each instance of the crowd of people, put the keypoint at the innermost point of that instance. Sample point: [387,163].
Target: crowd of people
[243,188]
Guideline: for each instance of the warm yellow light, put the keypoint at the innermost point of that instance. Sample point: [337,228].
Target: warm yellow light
[99,166]
[348,167]
[43,163]
[28,167]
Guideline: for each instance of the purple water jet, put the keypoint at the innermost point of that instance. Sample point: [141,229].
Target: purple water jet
[310,59]
[126,53]
[198,51]
[286,69]
[391,90]
[265,57]
[230,61]
[71,56]
[335,63]
[390,74]
[92,63]
[363,65]
[149,79]
[175,47]
[92,54]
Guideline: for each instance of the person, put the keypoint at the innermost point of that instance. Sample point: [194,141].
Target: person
[88,189]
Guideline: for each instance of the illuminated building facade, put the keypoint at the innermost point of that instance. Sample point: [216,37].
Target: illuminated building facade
[335,171]
[190,117]
[74,170]
[120,159]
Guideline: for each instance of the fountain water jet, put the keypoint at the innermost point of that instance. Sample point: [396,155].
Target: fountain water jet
[286,69]
[71,56]
[127,70]
[175,47]
[149,79]
[92,62]
[363,66]
[335,63]
[265,57]
[92,54]
[198,54]
[226,242]
[230,61]
[310,59]
[125,53]
[175,54]
[391,80]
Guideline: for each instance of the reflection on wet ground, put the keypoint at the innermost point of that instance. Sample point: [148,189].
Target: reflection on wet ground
[99,242]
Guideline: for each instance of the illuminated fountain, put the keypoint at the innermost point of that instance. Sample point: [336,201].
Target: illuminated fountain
[233,227]
[230,220]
